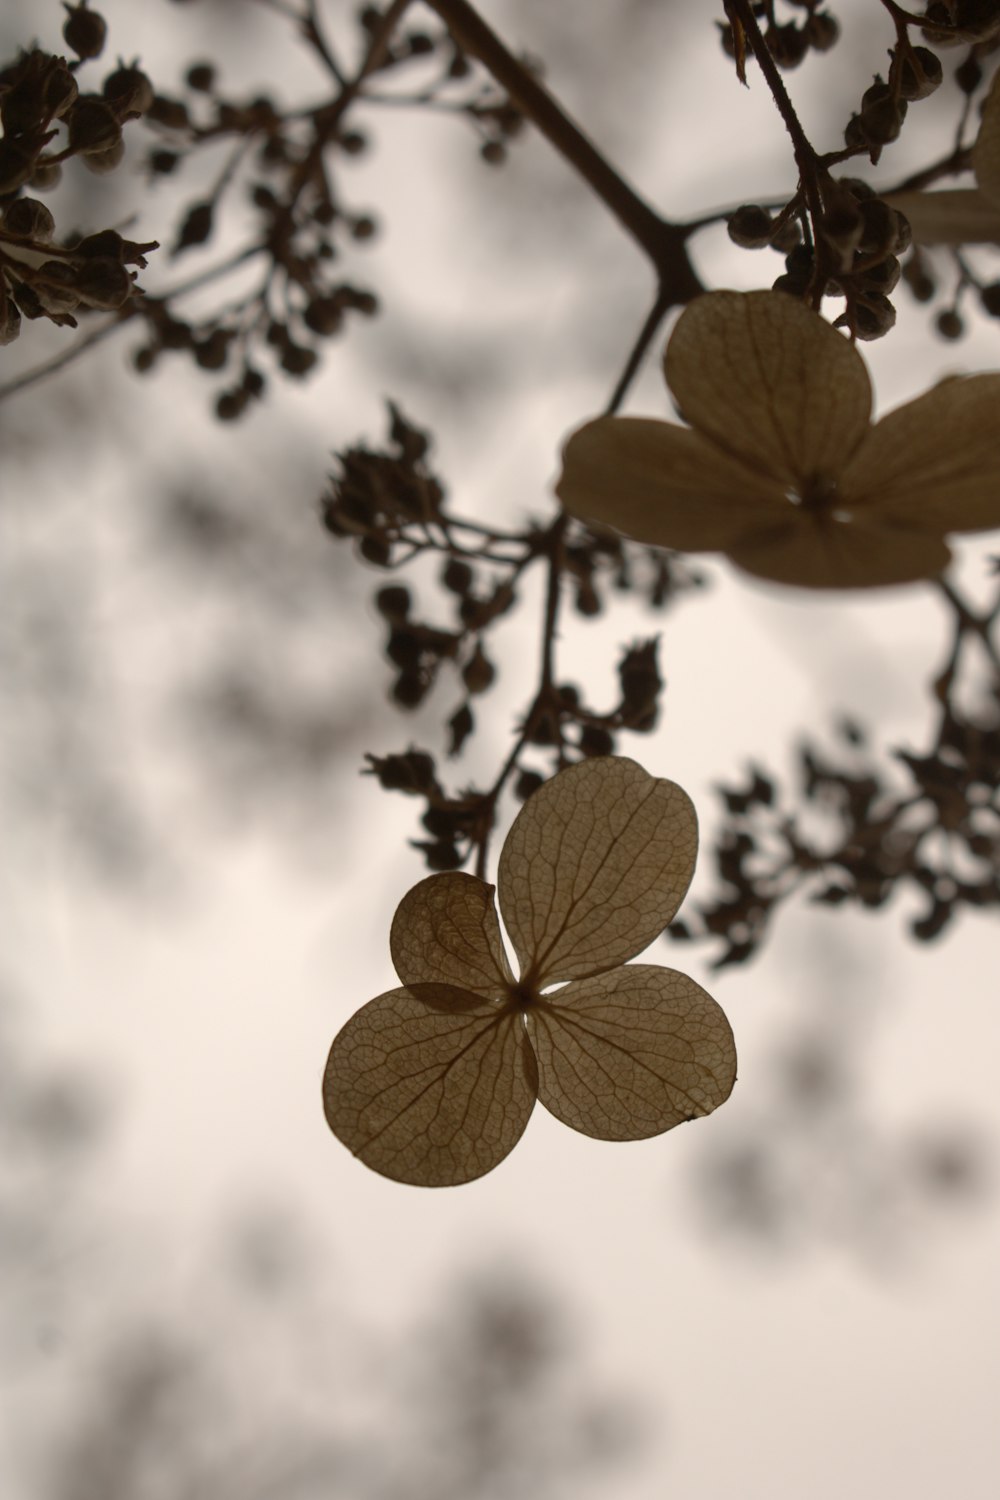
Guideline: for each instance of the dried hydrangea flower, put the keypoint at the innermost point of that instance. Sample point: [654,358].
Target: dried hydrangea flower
[433,1083]
[781,468]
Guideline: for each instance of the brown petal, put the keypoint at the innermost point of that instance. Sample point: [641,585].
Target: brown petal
[662,484]
[842,555]
[594,867]
[933,465]
[446,931]
[986,151]
[956,216]
[770,382]
[430,1086]
[632,1053]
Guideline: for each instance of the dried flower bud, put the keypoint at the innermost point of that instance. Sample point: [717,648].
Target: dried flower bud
[882,277]
[84,31]
[457,576]
[881,115]
[200,77]
[596,740]
[873,316]
[527,785]
[950,324]
[821,30]
[478,672]
[393,603]
[10,317]
[786,44]
[61,89]
[46,174]
[29,219]
[92,125]
[54,285]
[197,226]
[103,283]
[750,227]
[128,91]
[106,160]
[17,162]
[920,73]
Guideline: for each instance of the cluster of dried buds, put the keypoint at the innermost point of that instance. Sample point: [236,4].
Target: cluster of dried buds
[39,97]
[788,42]
[914,73]
[855,255]
[939,835]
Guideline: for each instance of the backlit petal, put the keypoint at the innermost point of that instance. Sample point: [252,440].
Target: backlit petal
[770,382]
[631,1053]
[595,865]
[934,464]
[659,483]
[431,1086]
[446,931]
[842,555]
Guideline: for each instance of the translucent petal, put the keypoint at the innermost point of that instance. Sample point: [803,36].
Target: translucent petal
[986,151]
[842,555]
[957,216]
[770,382]
[594,867]
[632,1053]
[659,483]
[446,931]
[934,464]
[430,1085]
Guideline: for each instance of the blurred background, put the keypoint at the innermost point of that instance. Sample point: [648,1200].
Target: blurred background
[205,1294]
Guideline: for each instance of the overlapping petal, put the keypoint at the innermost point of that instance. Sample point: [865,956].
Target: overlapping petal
[595,866]
[664,485]
[832,554]
[446,931]
[769,382]
[430,1085]
[933,465]
[629,1054]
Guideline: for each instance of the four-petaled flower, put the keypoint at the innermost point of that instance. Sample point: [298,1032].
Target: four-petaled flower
[433,1083]
[781,467]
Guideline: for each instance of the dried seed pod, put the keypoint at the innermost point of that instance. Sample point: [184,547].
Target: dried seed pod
[874,316]
[821,30]
[128,91]
[103,283]
[750,227]
[106,160]
[28,219]
[92,125]
[950,324]
[84,30]
[920,73]
[882,277]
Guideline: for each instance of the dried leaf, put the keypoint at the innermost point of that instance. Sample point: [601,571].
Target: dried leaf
[593,869]
[430,1085]
[629,1054]
[769,382]
[446,931]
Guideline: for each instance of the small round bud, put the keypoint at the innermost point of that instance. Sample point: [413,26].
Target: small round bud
[821,30]
[950,324]
[128,91]
[409,690]
[527,785]
[494,153]
[920,73]
[84,31]
[29,219]
[230,404]
[104,161]
[478,672]
[393,603]
[353,142]
[596,740]
[874,316]
[47,174]
[103,283]
[200,77]
[750,227]
[298,359]
[456,576]
[969,75]
[882,277]
[212,352]
[92,125]
[376,551]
